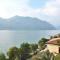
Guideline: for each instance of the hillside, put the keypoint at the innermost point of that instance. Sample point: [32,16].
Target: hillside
[25,23]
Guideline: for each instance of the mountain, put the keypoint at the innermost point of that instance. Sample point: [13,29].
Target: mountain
[25,23]
[3,24]
[57,27]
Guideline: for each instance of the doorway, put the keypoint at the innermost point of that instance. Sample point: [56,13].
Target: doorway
[59,49]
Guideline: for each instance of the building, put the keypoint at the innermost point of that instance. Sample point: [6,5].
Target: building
[53,45]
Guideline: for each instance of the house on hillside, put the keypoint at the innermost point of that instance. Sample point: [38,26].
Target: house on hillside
[53,45]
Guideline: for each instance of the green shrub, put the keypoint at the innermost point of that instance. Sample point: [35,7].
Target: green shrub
[35,58]
[57,57]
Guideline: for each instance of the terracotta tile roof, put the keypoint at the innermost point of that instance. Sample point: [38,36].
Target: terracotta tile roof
[55,41]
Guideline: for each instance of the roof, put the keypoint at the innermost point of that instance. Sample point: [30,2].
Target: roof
[54,41]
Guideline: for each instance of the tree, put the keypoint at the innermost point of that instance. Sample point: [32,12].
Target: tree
[13,53]
[55,36]
[59,35]
[34,47]
[51,37]
[42,43]
[2,56]
[25,49]
[58,42]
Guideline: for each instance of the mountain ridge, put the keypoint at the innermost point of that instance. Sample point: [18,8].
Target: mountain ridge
[25,23]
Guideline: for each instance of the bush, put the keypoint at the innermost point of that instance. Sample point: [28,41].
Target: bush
[42,43]
[35,58]
[2,56]
[57,57]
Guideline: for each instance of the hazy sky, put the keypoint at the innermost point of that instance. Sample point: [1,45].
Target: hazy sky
[48,10]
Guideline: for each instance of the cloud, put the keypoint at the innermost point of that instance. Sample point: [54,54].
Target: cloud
[49,12]
[10,8]
[52,10]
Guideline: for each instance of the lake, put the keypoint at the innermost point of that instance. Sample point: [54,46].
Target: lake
[9,38]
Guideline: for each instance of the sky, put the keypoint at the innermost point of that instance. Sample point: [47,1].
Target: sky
[47,10]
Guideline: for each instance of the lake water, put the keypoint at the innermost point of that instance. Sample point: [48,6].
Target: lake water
[9,38]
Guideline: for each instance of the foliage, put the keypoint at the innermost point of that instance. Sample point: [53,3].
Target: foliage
[21,50]
[57,57]
[46,55]
[58,42]
[12,53]
[17,58]
[2,56]
[35,58]
[55,36]
[34,47]
[25,49]
[51,37]
[42,43]
[59,35]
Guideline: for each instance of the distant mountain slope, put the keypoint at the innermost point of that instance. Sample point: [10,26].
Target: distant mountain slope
[3,24]
[25,23]
[58,27]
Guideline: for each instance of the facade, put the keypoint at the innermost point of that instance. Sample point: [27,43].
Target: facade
[53,45]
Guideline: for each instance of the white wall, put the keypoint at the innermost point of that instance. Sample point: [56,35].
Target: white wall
[53,48]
